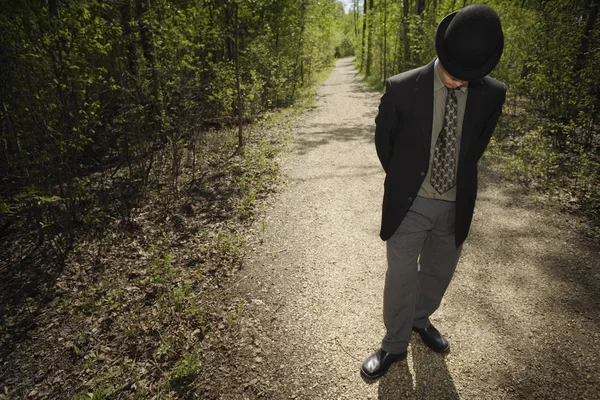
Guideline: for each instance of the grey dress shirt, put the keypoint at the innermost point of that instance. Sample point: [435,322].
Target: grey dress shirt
[439,102]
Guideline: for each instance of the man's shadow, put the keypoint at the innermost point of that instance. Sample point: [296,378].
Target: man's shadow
[431,378]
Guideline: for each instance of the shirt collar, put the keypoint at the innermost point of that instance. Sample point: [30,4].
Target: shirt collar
[437,81]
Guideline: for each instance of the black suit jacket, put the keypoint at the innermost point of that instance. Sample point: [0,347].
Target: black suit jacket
[403,140]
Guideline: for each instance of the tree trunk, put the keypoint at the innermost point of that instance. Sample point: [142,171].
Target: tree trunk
[397,52]
[370,37]
[150,55]
[229,41]
[355,19]
[299,64]
[237,77]
[12,145]
[384,41]
[406,31]
[147,41]
[582,56]
[420,7]
[364,35]
[128,37]
[53,11]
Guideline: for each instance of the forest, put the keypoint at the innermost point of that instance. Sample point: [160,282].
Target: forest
[88,84]
[548,138]
[128,128]
[133,159]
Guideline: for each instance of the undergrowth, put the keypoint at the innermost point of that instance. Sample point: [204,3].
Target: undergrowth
[127,312]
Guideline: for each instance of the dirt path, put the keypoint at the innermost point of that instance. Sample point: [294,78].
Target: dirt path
[522,312]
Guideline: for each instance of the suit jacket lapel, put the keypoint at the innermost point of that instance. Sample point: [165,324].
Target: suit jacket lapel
[424,105]
[472,114]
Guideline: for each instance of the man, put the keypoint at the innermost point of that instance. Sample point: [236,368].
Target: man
[433,125]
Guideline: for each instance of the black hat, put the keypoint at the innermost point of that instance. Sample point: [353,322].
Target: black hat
[469,42]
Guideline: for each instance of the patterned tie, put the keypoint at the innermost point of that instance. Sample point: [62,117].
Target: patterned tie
[443,175]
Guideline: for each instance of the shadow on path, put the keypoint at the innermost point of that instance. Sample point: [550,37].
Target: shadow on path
[431,379]
[543,241]
[534,279]
[319,134]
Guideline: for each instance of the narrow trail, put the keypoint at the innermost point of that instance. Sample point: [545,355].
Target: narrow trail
[522,312]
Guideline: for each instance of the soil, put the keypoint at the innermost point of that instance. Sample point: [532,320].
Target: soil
[521,313]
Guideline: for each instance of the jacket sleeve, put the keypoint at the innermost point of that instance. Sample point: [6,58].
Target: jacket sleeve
[386,124]
[489,127]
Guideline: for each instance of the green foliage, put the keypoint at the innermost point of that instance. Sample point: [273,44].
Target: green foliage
[87,84]
[262,169]
[551,67]
[161,267]
[93,395]
[229,244]
[184,371]
[113,117]
[533,160]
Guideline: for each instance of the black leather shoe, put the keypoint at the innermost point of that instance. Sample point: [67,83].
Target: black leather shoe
[378,363]
[433,339]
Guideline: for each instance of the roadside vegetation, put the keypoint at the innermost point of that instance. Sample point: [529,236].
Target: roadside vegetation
[140,140]
[548,139]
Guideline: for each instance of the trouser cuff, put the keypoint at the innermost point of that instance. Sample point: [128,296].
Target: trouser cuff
[394,347]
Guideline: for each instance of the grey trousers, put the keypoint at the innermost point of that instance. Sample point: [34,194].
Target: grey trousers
[413,290]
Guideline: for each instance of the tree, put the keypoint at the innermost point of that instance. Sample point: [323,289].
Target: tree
[551,65]
[370,16]
[87,84]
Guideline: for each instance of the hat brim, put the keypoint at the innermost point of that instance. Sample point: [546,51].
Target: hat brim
[457,72]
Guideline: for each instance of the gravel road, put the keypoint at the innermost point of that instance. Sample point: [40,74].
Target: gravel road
[522,312]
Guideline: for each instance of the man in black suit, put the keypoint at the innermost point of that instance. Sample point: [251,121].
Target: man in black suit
[433,125]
